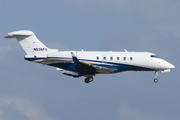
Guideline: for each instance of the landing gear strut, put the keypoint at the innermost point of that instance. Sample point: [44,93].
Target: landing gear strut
[156,74]
[88,79]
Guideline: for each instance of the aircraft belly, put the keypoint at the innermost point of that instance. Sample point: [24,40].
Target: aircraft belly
[112,69]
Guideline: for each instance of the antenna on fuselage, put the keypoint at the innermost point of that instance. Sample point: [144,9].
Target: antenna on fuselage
[125,50]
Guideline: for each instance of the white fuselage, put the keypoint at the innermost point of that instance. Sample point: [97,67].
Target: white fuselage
[88,63]
[119,61]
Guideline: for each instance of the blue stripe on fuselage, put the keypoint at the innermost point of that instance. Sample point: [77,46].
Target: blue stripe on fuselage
[33,59]
[117,67]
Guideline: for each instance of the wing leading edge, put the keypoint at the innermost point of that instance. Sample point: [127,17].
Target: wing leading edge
[88,69]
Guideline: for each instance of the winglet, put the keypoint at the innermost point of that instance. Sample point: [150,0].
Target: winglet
[74,57]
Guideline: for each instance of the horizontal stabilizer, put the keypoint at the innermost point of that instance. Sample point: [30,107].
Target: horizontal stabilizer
[19,33]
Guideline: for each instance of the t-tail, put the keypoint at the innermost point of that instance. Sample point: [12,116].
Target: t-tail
[30,43]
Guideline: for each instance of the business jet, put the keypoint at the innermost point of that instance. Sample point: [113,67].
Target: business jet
[88,63]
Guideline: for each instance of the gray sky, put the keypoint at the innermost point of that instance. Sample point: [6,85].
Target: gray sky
[31,91]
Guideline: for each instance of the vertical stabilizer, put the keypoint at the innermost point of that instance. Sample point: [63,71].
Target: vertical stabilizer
[30,43]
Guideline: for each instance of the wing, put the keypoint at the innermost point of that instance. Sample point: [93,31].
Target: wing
[88,69]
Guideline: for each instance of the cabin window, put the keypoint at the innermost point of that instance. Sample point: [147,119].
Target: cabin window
[117,58]
[131,58]
[111,58]
[104,58]
[124,58]
[97,58]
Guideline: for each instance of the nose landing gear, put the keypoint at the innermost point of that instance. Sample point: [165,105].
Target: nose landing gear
[156,74]
[155,80]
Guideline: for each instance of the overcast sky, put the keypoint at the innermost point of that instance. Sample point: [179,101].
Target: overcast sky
[30,91]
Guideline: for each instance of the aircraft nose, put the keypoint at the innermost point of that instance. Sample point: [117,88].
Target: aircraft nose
[171,66]
[167,65]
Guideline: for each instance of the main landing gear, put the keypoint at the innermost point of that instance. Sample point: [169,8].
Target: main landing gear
[88,79]
[156,74]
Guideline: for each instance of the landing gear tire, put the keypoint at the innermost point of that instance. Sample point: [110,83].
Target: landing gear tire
[88,79]
[155,80]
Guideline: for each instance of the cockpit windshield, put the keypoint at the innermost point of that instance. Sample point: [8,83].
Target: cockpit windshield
[154,56]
